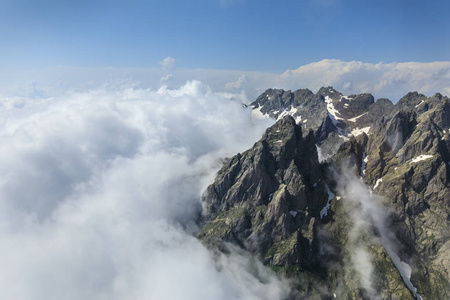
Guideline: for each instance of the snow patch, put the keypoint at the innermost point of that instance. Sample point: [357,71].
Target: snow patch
[293,213]
[324,210]
[379,180]
[332,111]
[418,104]
[346,98]
[420,158]
[290,112]
[357,131]
[404,269]
[330,195]
[344,136]
[356,118]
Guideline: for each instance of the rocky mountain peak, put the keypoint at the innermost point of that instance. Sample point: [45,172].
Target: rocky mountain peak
[329,91]
[281,200]
[269,197]
[284,140]
[411,100]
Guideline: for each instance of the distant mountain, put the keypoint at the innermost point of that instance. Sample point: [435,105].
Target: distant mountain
[303,198]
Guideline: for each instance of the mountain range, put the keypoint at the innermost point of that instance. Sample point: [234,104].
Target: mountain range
[345,196]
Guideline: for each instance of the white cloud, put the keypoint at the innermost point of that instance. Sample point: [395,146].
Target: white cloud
[99,193]
[238,84]
[168,63]
[393,80]
[166,79]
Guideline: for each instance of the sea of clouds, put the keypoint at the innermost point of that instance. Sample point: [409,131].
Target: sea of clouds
[102,170]
[100,191]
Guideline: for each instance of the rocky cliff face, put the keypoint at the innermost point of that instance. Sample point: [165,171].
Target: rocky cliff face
[410,161]
[291,202]
[268,198]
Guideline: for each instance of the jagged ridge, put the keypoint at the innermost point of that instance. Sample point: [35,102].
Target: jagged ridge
[269,199]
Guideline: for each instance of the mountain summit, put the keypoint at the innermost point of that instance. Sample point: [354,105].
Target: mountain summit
[347,196]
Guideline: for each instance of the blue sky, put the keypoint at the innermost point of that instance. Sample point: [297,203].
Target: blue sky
[220,34]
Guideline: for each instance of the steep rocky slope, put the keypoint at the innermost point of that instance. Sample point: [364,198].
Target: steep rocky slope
[301,198]
[268,198]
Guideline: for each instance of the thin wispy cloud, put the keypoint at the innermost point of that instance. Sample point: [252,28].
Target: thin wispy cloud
[367,213]
[168,63]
